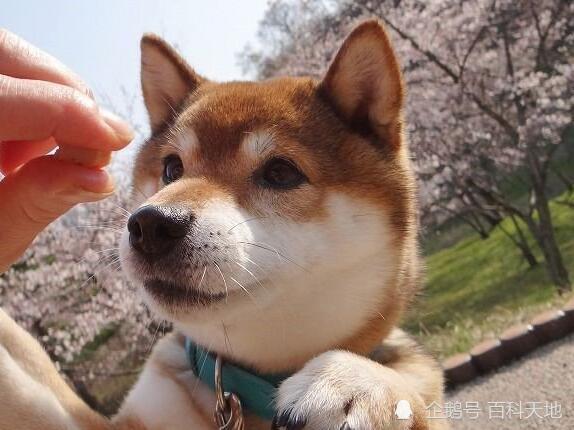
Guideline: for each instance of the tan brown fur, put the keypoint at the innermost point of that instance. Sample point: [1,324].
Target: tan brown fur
[27,354]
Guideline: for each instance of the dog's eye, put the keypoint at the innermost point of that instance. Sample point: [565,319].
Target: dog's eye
[281,174]
[172,169]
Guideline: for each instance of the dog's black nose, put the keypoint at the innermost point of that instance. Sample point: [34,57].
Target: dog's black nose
[157,229]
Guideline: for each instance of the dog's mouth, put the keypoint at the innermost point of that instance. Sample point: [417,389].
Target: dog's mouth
[172,293]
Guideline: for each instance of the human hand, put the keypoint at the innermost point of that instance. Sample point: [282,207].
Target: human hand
[43,105]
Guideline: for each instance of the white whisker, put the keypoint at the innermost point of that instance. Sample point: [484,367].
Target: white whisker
[245,221]
[252,275]
[244,289]
[279,254]
[224,281]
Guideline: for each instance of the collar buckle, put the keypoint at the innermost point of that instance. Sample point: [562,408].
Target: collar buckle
[228,412]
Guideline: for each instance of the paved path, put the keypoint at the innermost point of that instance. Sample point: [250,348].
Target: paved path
[535,383]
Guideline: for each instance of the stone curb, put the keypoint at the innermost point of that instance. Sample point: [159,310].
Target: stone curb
[512,344]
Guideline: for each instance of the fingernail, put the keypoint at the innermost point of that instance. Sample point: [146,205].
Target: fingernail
[120,127]
[109,186]
[88,196]
[97,181]
[84,196]
[104,189]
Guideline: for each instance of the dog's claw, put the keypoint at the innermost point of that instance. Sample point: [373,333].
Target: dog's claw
[285,420]
[297,424]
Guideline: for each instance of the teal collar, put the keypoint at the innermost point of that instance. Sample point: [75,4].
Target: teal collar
[256,391]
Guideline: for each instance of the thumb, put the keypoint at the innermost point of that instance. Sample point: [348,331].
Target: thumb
[38,193]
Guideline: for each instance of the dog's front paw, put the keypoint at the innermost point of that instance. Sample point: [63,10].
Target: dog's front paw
[343,391]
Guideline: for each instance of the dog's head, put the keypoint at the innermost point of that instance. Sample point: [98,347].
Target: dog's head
[287,193]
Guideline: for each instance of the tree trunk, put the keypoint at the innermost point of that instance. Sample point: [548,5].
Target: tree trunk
[478,227]
[543,230]
[547,241]
[469,218]
[522,244]
[528,256]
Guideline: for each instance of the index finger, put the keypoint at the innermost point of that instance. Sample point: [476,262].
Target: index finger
[38,110]
[22,60]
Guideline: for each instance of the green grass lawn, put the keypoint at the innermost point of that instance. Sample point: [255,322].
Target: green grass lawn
[477,288]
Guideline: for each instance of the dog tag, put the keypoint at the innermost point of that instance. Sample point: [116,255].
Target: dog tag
[228,413]
[232,418]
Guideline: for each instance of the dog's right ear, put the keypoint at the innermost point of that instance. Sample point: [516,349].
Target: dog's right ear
[166,79]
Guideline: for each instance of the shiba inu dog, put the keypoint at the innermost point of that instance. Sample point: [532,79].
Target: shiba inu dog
[279,236]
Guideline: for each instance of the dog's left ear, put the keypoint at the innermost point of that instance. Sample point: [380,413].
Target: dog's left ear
[166,79]
[365,85]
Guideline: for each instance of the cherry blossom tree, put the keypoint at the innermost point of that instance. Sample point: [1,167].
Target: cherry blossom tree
[68,291]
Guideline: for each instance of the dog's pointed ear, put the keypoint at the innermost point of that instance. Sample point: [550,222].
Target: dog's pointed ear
[166,79]
[364,83]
